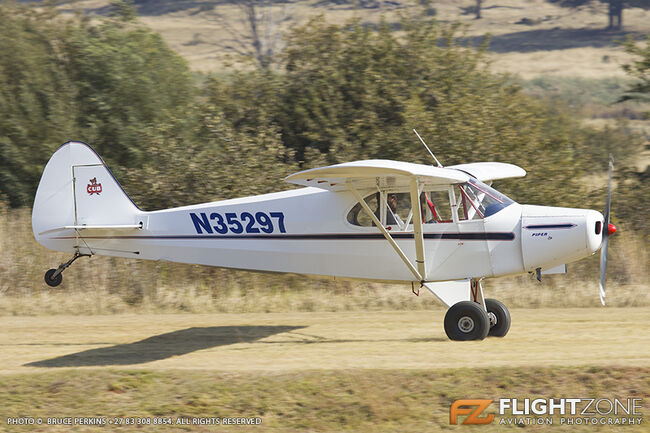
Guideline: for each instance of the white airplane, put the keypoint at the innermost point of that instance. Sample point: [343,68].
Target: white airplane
[442,228]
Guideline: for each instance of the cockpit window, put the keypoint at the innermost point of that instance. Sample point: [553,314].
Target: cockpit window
[474,200]
[390,208]
[358,217]
[435,207]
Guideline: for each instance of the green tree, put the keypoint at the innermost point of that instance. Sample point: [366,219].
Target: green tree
[639,69]
[351,93]
[220,163]
[633,195]
[128,84]
[111,83]
[36,98]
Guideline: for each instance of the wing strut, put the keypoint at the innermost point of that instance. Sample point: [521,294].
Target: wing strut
[417,228]
[387,235]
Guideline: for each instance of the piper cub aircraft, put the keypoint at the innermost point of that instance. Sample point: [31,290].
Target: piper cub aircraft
[441,228]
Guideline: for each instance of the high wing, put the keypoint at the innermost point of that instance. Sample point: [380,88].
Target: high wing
[367,174]
[488,171]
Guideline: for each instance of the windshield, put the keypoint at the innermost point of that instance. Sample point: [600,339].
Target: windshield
[480,200]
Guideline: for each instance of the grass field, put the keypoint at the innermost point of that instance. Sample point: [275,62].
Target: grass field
[322,341]
[384,371]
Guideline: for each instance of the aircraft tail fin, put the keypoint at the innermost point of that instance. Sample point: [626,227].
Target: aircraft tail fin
[77,190]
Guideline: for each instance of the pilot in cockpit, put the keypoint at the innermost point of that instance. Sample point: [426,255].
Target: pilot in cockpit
[392,218]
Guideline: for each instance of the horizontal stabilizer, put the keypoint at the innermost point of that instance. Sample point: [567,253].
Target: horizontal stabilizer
[95,227]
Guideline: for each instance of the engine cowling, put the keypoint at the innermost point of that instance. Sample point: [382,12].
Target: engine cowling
[551,236]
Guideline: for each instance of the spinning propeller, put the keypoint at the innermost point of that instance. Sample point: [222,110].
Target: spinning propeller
[607,230]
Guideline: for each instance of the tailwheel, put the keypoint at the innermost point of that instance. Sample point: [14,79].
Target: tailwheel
[53,280]
[54,277]
[499,318]
[466,320]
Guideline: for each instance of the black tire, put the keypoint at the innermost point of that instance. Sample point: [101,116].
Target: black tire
[465,321]
[501,328]
[53,282]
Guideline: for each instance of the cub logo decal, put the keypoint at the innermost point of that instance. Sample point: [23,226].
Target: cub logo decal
[94,187]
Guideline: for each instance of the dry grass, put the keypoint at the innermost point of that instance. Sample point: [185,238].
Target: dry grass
[592,63]
[333,401]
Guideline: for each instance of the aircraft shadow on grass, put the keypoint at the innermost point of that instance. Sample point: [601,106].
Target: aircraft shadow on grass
[189,340]
[165,346]
[303,338]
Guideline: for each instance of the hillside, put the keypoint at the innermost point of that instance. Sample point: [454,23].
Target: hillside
[528,37]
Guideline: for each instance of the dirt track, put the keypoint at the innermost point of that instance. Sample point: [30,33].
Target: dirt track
[299,341]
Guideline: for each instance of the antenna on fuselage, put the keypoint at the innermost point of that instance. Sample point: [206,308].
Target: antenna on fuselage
[427,147]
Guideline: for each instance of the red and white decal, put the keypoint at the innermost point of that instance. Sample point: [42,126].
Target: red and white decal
[94,187]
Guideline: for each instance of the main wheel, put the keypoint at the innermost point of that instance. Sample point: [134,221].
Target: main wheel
[466,320]
[53,282]
[502,316]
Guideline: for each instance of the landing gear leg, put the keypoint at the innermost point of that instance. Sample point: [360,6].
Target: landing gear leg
[54,277]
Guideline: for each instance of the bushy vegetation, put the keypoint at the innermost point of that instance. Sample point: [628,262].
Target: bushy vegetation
[640,69]
[114,84]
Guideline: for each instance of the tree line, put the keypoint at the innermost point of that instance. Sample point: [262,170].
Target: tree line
[336,93]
